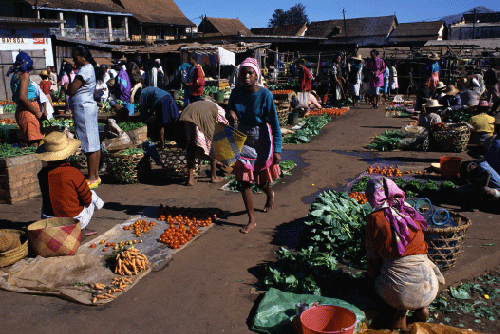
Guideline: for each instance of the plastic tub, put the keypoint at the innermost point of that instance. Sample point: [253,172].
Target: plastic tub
[328,319]
[450,167]
[293,118]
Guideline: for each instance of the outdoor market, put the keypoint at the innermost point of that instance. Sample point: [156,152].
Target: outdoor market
[369,181]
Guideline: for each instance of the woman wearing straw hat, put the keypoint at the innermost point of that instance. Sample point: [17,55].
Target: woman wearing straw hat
[451,98]
[484,124]
[354,77]
[430,114]
[65,192]
[438,92]
[433,70]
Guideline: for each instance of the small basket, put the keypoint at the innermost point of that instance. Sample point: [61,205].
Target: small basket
[452,138]
[126,169]
[20,252]
[174,162]
[78,160]
[445,243]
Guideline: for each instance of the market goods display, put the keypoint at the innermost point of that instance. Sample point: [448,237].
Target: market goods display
[336,225]
[126,166]
[195,214]
[388,141]
[139,227]
[130,262]
[7,121]
[385,171]
[310,129]
[461,115]
[9,151]
[282,91]
[359,197]
[8,107]
[451,137]
[329,111]
[129,126]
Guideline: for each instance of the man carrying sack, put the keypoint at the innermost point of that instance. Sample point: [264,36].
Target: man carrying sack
[65,192]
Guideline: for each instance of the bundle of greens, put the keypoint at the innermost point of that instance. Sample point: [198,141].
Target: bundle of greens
[461,115]
[132,151]
[61,123]
[9,108]
[336,225]
[310,129]
[129,126]
[7,151]
[305,272]
[388,141]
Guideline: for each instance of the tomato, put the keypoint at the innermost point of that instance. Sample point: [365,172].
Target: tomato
[92,246]
[104,249]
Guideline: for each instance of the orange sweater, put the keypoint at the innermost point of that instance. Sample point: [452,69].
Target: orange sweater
[64,190]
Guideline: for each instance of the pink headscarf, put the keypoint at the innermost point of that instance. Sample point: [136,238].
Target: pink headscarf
[251,62]
[383,194]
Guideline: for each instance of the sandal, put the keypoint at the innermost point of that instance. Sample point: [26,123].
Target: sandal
[93,185]
[89,232]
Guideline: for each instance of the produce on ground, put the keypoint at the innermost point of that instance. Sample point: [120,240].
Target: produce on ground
[5,102]
[282,91]
[175,237]
[310,129]
[329,111]
[384,171]
[388,141]
[140,226]
[130,262]
[7,151]
[458,116]
[336,225]
[305,272]
[61,123]
[359,197]
[412,188]
[9,108]
[188,213]
[117,285]
[129,126]
[132,151]
[7,121]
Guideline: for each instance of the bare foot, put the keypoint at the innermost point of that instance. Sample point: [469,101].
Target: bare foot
[248,227]
[216,179]
[269,203]
[190,183]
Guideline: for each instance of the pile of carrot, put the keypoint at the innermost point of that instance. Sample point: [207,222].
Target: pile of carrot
[329,111]
[130,262]
[282,91]
[119,286]
[359,197]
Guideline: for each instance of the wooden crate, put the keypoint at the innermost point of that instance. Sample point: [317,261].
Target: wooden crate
[18,178]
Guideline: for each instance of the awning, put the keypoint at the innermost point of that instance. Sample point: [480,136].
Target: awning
[99,61]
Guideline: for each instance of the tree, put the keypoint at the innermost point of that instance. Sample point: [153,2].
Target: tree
[294,15]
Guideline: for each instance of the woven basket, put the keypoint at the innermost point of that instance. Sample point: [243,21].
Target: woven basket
[452,138]
[126,168]
[174,162]
[55,236]
[445,243]
[283,116]
[78,160]
[20,252]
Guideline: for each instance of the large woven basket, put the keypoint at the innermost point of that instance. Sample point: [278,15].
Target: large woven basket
[126,168]
[445,243]
[17,253]
[452,138]
[283,115]
[78,160]
[174,162]
[55,236]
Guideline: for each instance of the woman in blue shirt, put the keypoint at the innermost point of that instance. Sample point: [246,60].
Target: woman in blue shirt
[253,107]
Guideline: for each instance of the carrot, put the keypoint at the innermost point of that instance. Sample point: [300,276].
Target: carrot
[94,300]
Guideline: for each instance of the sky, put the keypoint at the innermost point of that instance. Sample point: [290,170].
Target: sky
[256,13]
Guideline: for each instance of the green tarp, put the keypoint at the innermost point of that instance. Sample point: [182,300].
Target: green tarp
[277,310]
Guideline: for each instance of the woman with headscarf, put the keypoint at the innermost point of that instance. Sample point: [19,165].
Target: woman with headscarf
[253,107]
[85,110]
[397,259]
[433,70]
[28,113]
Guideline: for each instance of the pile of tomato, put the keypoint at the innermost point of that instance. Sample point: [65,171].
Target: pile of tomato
[282,91]
[384,171]
[359,197]
[2,103]
[140,226]
[198,214]
[175,237]
[329,111]
[8,121]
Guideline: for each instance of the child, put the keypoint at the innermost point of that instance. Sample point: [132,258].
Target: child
[65,192]
[45,84]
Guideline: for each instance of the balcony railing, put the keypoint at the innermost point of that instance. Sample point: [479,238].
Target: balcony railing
[96,35]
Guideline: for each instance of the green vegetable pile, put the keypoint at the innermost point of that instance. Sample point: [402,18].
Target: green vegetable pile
[336,225]
[412,188]
[305,272]
[129,126]
[7,151]
[61,123]
[210,90]
[132,151]
[388,141]
[310,129]
[458,116]
[289,85]
[9,108]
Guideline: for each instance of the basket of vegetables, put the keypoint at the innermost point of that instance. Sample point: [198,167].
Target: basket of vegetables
[137,131]
[451,137]
[126,166]
[174,162]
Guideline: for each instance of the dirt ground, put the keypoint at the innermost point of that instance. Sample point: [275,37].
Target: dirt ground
[208,287]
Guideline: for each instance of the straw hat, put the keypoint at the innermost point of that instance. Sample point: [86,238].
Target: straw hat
[440,85]
[44,73]
[357,57]
[56,147]
[431,103]
[110,83]
[451,90]
[434,56]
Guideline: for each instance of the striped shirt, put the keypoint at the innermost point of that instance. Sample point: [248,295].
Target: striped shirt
[64,190]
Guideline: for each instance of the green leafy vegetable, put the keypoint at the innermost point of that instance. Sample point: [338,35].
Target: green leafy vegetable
[132,151]
[412,188]
[129,126]
[310,129]
[388,141]
[7,151]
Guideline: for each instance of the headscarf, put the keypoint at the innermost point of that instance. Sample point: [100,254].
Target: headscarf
[383,194]
[23,63]
[251,62]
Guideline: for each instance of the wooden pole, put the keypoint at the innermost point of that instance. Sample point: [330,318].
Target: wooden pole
[317,68]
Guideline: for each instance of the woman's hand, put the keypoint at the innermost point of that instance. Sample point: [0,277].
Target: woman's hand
[276,158]
[232,118]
